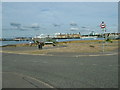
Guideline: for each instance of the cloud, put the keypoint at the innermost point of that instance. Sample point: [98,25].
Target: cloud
[45,10]
[47,14]
[74,29]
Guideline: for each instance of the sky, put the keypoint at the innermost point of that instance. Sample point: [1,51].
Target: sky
[35,18]
[0,13]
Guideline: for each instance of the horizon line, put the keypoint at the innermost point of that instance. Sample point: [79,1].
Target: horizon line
[59,0]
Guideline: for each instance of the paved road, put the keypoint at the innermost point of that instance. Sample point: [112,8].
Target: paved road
[34,71]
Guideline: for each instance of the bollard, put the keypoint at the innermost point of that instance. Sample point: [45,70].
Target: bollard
[38,46]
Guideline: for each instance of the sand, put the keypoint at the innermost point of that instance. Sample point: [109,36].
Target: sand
[71,47]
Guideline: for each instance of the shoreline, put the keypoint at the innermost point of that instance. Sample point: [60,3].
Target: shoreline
[63,48]
[63,42]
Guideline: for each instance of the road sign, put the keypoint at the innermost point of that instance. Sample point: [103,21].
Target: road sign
[103,28]
[102,25]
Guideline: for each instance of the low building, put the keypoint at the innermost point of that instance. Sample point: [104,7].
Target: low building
[68,36]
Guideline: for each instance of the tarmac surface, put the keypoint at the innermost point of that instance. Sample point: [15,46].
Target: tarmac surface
[64,70]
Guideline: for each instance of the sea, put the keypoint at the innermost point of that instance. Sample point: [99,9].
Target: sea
[3,43]
[63,40]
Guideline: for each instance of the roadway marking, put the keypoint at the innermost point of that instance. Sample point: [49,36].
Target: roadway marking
[21,75]
[109,54]
[39,62]
[93,55]
[97,55]
[26,53]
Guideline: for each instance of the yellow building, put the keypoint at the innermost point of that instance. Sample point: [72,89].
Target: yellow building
[69,36]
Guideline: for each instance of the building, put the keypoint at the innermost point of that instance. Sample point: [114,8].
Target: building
[68,36]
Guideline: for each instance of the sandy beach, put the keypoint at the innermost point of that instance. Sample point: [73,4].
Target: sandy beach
[65,47]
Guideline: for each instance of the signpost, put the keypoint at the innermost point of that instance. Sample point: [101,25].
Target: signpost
[103,28]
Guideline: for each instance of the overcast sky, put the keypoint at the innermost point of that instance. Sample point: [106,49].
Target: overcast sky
[58,17]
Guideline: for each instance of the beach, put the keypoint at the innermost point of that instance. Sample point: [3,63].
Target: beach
[64,47]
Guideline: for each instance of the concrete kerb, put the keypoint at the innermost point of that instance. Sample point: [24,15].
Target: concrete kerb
[32,78]
[104,54]
[81,55]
